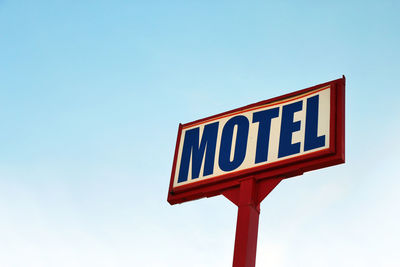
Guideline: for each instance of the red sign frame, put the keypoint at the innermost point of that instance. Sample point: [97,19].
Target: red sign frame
[287,168]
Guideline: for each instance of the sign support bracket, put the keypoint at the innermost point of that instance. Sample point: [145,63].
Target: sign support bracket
[248,197]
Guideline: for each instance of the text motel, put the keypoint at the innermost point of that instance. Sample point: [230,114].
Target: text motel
[252,137]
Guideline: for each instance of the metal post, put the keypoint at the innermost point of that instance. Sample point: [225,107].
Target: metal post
[247,226]
[248,197]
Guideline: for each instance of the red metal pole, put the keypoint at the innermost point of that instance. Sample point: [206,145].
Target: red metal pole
[247,225]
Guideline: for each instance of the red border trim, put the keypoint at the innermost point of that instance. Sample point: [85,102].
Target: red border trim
[335,154]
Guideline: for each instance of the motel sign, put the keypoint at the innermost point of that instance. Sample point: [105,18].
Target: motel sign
[242,141]
[246,152]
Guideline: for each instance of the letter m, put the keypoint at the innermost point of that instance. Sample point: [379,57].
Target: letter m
[193,151]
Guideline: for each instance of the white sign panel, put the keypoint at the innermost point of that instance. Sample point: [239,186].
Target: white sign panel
[254,136]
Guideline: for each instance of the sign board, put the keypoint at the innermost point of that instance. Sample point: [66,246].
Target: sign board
[277,138]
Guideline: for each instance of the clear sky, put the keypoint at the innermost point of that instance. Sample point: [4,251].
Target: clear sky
[91,95]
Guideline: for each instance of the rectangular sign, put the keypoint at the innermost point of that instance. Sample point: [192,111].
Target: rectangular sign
[280,137]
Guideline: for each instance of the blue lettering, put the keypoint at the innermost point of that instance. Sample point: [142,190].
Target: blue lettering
[191,148]
[311,139]
[264,118]
[286,148]
[242,124]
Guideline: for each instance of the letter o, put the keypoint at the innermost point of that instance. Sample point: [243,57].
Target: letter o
[242,124]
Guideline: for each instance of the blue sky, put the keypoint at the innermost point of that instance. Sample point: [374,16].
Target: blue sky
[91,95]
